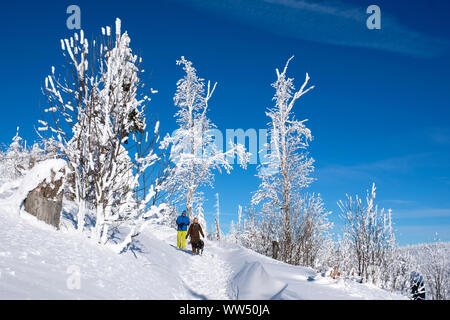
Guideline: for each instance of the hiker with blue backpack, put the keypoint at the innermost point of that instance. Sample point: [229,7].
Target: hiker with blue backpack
[182,223]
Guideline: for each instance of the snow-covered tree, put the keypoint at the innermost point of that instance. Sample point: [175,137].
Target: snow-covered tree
[250,234]
[285,171]
[200,215]
[13,160]
[238,228]
[432,262]
[436,268]
[218,232]
[119,115]
[234,235]
[193,152]
[71,104]
[311,227]
[17,158]
[14,153]
[98,118]
[369,235]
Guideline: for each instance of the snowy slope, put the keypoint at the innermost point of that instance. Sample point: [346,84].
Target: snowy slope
[35,260]
[260,277]
[39,262]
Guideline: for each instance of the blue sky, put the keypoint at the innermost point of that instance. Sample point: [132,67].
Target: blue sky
[379,112]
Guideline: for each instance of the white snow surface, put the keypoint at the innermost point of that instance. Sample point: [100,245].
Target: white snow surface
[37,262]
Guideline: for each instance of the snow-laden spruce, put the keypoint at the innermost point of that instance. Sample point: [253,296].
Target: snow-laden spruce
[18,158]
[98,124]
[194,153]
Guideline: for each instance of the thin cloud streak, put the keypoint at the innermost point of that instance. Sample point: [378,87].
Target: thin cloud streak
[428,213]
[402,164]
[336,23]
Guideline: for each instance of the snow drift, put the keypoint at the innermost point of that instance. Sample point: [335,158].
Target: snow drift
[253,282]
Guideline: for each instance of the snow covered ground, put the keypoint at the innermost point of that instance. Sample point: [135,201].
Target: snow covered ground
[39,262]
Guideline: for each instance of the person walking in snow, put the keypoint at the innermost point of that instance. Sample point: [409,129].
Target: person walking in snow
[194,232]
[182,223]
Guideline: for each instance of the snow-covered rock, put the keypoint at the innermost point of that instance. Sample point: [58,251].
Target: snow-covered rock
[40,172]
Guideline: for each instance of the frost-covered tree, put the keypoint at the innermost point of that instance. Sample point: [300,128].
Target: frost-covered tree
[17,158]
[193,152]
[285,171]
[70,115]
[98,118]
[432,262]
[369,236]
[429,262]
[311,226]
[234,235]
[200,215]
[239,222]
[119,115]
[218,232]
[249,235]
[14,153]
[13,159]
[435,265]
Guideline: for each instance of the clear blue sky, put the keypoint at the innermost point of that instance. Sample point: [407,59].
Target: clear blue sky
[379,112]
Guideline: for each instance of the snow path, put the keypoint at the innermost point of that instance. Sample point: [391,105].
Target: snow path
[207,276]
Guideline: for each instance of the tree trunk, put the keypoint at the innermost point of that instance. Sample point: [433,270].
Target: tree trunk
[189,205]
[217,229]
